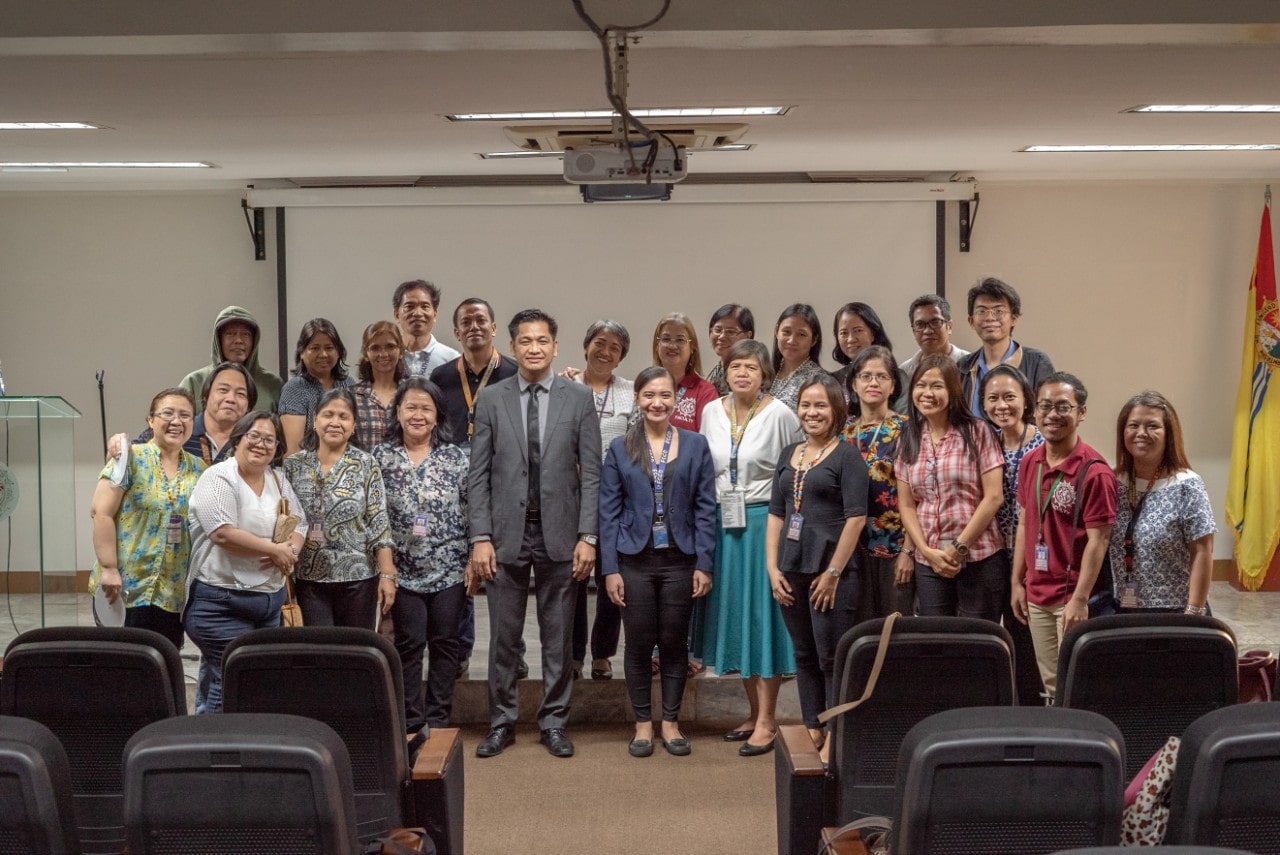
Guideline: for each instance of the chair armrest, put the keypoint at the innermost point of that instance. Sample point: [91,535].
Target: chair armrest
[850,844]
[433,760]
[804,760]
[804,795]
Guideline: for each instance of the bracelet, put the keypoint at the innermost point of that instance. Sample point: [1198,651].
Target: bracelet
[391,576]
[1196,610]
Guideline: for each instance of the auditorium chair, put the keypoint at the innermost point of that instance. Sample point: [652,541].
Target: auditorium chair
[1226,785]
[350,679]
[1165,850]
[932,664]
[1008,781]
[94,687]
[238,784]
[1151,674]
[36,813]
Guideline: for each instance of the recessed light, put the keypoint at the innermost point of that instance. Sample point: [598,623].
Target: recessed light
[1205,108]
[118,164]
[511,155]
[640,113]
[49,126]
[33,169]
[1178,147]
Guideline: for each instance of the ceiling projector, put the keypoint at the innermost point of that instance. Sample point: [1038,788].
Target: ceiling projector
[621,164]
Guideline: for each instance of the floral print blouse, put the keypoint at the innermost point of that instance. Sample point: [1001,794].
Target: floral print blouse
[436,490]
[878,443]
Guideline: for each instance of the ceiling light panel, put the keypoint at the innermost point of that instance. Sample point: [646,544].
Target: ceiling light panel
[120,164]
[49,126]
[1205,108]
[650,113]
[1089,149]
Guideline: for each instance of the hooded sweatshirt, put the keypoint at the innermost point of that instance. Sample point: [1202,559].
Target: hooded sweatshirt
[268,384]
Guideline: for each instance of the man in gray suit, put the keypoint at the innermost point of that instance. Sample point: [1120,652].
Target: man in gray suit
[535,474]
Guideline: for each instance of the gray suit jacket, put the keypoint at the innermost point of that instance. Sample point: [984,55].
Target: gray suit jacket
[499,477]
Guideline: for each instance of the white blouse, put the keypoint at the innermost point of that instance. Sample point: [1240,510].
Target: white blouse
[773,427]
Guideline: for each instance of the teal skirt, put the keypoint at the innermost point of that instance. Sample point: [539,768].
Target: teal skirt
[744,631]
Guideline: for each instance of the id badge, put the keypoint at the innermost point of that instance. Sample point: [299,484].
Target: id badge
[1042,557]
[1129,595]
[173,531]
[315,531]
[793,527]
[420,525]
[733,509]
[660,539]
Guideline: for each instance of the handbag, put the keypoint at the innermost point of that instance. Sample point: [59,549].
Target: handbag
[290,612]
[285,525]
[1257,676]
[1146,812]
[1102,599]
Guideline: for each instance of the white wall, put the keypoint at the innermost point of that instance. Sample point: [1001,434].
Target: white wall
[1129,285]
[129,283]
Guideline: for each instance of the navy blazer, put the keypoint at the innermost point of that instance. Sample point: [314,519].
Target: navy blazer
[627,507]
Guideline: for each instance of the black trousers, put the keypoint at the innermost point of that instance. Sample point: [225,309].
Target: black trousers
[814,635]
[605,630]
[658,589]
[156,619]
[428,622]
[338,603]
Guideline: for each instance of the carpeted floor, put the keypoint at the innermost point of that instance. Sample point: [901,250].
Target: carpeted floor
[603,801]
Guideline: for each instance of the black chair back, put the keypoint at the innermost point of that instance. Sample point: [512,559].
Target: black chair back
[1008,781]
[349,679]
[1226,786]
[36,814]
[94,687]
[238,785]
[1165,850]
[933,664]
[1151,674]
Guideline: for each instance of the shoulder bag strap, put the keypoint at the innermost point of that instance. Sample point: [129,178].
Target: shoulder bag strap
[881,651]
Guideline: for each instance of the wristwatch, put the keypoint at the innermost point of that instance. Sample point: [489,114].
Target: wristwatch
[834,571]
[961,548]
[589,539]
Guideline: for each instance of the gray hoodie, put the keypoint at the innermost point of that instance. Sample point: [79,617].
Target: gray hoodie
[268,384]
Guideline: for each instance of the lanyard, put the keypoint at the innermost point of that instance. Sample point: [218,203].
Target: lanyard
[466,388]
[802,472]
[605,400]
[1044,506]
[870,455]
[1134,510]
[171,485]
[658,471]
[736,433]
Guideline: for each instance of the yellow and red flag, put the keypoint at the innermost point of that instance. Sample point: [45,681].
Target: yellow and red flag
[1253,489]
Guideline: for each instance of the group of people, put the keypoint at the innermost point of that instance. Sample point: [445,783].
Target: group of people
[743,513]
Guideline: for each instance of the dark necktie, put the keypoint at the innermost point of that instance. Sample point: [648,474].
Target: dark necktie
[535,451]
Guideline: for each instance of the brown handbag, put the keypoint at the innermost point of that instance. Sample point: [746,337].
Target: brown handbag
[286,524]
[290,612]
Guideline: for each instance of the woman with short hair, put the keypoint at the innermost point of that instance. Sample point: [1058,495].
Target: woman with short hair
[345,573]
[237,578]
[675,348]
[1162,542]
[730,324]
[320,363]
[381,369]
[797,347]
[141,535]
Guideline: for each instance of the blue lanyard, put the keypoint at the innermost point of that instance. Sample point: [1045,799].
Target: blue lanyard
[658,469]
[736,435]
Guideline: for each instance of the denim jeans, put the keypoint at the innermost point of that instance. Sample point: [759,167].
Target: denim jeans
[214,618]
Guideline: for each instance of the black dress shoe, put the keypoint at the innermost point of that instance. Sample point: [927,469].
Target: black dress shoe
[522,669]
[640,747]
[749,750]
[498,739]
[678,746]
[737,735]
[557,742]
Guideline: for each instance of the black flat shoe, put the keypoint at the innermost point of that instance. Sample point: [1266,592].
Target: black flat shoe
[749,750]
[557,742]
[640,747]
[679,746]
[498,739]
[738,735]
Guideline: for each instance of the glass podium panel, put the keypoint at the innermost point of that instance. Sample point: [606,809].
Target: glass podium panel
[37,489]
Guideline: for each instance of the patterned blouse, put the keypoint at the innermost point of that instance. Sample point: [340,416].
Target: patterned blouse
[350,503]
[300,395]
[373,420]
[153,571]
[787,389]
[1174,513]
[437,489]
[615,407]
[716,377]
[1007,515]
[879,446]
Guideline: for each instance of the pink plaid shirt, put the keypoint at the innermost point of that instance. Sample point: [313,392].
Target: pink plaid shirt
[946,483]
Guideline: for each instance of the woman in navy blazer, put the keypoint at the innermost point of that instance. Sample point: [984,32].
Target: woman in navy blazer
[657,549]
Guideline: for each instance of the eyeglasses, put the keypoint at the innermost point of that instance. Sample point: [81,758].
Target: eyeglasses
[867,377]
[1062,408]
[998,313]
[262,439]
[717,332]
[174,415]
[678,341]
[933,324]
